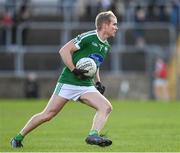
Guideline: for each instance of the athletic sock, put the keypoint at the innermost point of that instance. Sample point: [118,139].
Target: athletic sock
[19,137]
[93,132]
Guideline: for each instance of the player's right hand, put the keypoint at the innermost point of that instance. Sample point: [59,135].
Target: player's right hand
[80,73]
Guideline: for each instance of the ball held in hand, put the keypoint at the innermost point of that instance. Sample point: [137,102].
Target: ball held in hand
[88,64]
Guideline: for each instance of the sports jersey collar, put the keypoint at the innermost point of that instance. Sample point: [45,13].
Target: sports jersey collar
[100,38]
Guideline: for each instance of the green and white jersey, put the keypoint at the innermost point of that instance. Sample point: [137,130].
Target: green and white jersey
[89,45]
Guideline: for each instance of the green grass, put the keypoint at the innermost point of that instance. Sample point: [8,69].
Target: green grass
[133,126]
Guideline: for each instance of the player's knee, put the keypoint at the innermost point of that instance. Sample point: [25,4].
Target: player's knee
[109,109]
[48,116]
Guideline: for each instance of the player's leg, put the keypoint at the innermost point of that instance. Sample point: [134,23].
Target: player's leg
[55,104]
[101,104]
[157,91]
[165,92]
[160,96]
[103,108]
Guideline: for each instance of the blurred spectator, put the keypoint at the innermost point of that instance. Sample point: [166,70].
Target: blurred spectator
[160,81]
[140,18]
[150,12]
[79,9]
[163,13]
[105,5]
[157,13]
[91,9]
[116,6]
[31,87]
[175,13]
[10,6]
[13,16]
[94,7]
[7,22]
[119,9]
[22,15]
[7,19]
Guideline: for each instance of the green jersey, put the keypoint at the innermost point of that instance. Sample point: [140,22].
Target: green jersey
[89,45]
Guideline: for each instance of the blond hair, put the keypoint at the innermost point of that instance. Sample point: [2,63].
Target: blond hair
[103,17]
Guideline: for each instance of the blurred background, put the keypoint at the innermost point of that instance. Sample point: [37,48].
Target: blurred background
[33,31]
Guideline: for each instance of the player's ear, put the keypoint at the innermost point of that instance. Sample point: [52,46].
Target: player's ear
[106,25]
[103,25]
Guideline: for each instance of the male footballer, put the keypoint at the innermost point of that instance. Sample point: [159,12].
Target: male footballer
[74,85]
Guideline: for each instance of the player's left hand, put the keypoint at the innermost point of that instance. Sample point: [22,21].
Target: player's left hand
[100,87]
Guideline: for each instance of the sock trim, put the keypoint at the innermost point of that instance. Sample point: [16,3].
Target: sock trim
[93,132]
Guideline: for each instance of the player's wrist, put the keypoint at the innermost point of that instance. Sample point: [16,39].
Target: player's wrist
[72,68]
[75,71]
[98,83]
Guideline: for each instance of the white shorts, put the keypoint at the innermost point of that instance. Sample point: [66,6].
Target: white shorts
[72,92]
[160,82]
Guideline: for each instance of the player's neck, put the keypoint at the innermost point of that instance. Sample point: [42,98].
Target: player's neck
[102,35]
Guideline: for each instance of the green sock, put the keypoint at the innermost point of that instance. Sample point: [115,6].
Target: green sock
[19,137]
[93,132]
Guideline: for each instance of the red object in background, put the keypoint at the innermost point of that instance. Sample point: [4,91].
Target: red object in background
[161,69]
[163,72]
[7,20]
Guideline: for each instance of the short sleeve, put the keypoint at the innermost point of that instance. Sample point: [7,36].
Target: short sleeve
[80,41]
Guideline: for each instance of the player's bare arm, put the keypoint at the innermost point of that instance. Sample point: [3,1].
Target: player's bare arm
[97,76]
[66,54]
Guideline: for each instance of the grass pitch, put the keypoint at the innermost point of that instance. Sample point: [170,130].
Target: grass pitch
[133,126]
